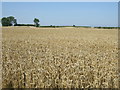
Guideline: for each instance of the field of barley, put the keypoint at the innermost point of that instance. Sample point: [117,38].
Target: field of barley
[59,57]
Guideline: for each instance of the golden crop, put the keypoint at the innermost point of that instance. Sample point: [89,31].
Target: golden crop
[59,57]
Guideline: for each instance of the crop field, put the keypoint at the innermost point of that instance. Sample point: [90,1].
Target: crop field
[59,57]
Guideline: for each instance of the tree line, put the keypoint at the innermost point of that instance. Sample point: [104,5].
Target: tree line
[12,21]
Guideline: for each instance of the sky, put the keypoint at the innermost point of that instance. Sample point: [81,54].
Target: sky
[63,13]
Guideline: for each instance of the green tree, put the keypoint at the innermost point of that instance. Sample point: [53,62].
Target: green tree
[8,21]
[73,25]
[15,22]
[5,21]
[36,21]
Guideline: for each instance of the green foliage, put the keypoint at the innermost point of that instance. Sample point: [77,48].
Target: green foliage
[5,21]
[24,25]
[8,21]
[73,25]
[36,21]
[107,27]
[51,26]
[15,22]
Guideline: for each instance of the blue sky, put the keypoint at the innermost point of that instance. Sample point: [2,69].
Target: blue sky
[64,13]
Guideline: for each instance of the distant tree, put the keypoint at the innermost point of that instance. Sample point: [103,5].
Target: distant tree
[36,21]
[5,21]
[11,19]
[8,21]
[15,22]
[73,25]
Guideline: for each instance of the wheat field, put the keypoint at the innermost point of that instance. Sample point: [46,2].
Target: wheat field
[59,57]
